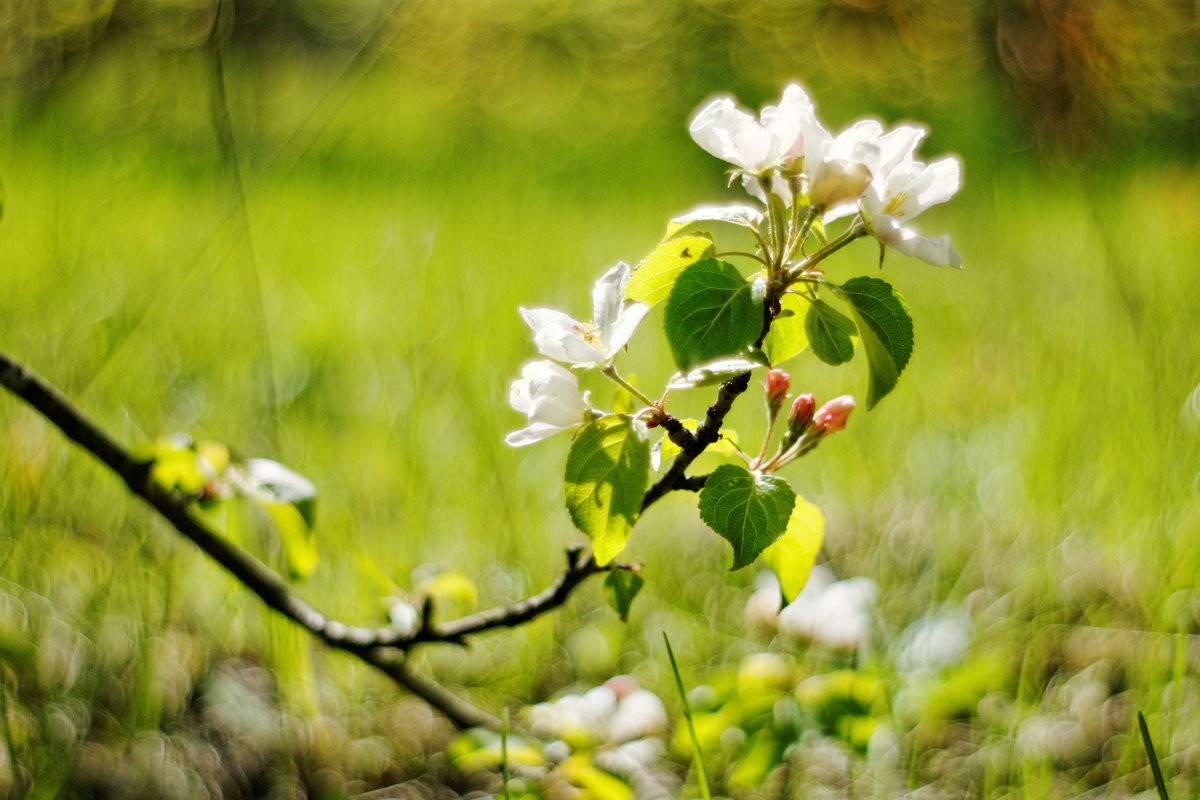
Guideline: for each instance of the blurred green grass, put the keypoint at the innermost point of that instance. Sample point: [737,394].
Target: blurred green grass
[1039,462]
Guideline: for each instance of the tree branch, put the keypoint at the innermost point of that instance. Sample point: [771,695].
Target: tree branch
[381,647]
[580,565]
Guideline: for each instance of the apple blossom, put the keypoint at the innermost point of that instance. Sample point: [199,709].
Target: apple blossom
[593,344]
[549,395]
[901,189]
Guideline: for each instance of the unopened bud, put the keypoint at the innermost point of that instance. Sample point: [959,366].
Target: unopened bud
[837,181]
[777,387]
[801,415]
[831,417]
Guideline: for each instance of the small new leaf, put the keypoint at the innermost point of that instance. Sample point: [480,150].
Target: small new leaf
[606,478]
[886,330]
[748,509]
[830,333]
[719,370]
[787,337]
[290,500]
[792,556]
[652,279]
[711,312]
[741,215]
[621,587]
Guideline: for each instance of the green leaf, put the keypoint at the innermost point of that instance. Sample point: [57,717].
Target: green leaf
[743,216]
[886,330]
[290,500]
[748,509]
[299,544]
[595,783]
[761,754]
[787,337]
[622,586]
[606,480]
[829,333]
[711,312]
[652,279]
[792,556]
[719,370]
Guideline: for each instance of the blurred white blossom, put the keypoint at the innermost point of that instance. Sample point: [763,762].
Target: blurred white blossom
[834,613]
[611,714]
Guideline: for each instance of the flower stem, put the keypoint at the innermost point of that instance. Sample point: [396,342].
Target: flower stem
[855,231]
[610,372]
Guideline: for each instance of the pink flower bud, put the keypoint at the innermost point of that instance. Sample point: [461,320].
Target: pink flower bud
[831,417]
[801,414]
[777,386]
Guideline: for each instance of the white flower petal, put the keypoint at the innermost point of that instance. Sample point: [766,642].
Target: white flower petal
[944,181]
[933,250]
[549,395]
[896,147]
[560,337]
[731,134]
[631,316]
[793,124]
[533,432]
[607,298]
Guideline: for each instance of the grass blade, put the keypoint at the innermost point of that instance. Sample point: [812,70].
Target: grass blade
[1158,776]
[504,753]
[687,715]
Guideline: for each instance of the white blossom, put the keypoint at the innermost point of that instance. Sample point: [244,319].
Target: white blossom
[591,344]
[549,395]
[835,613]
[901,189]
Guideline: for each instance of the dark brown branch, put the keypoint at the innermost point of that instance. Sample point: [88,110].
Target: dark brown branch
[580,565]
[709,431]
[380,647]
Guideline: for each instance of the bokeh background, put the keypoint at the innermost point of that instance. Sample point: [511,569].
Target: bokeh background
[313,250]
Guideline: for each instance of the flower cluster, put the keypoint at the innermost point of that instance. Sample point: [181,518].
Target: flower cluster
[864,169]
[723,321]
[546,392]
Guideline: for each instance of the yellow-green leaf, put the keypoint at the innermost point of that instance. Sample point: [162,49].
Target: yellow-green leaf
[792,556]
[299,544]
[787,338]
[652,280]
[607,471]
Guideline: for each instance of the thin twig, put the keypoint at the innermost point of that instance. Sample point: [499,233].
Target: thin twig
[381,647]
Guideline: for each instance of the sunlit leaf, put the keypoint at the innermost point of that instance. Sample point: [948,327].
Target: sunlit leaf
[761,755]
[829,333]
[453,593]
[743,216]
[290,501]
[719,370]
[886,329]
[751,511]
[793,554]
[652,279]
[607,471]
[596,783]
[711,312]
[787,338]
